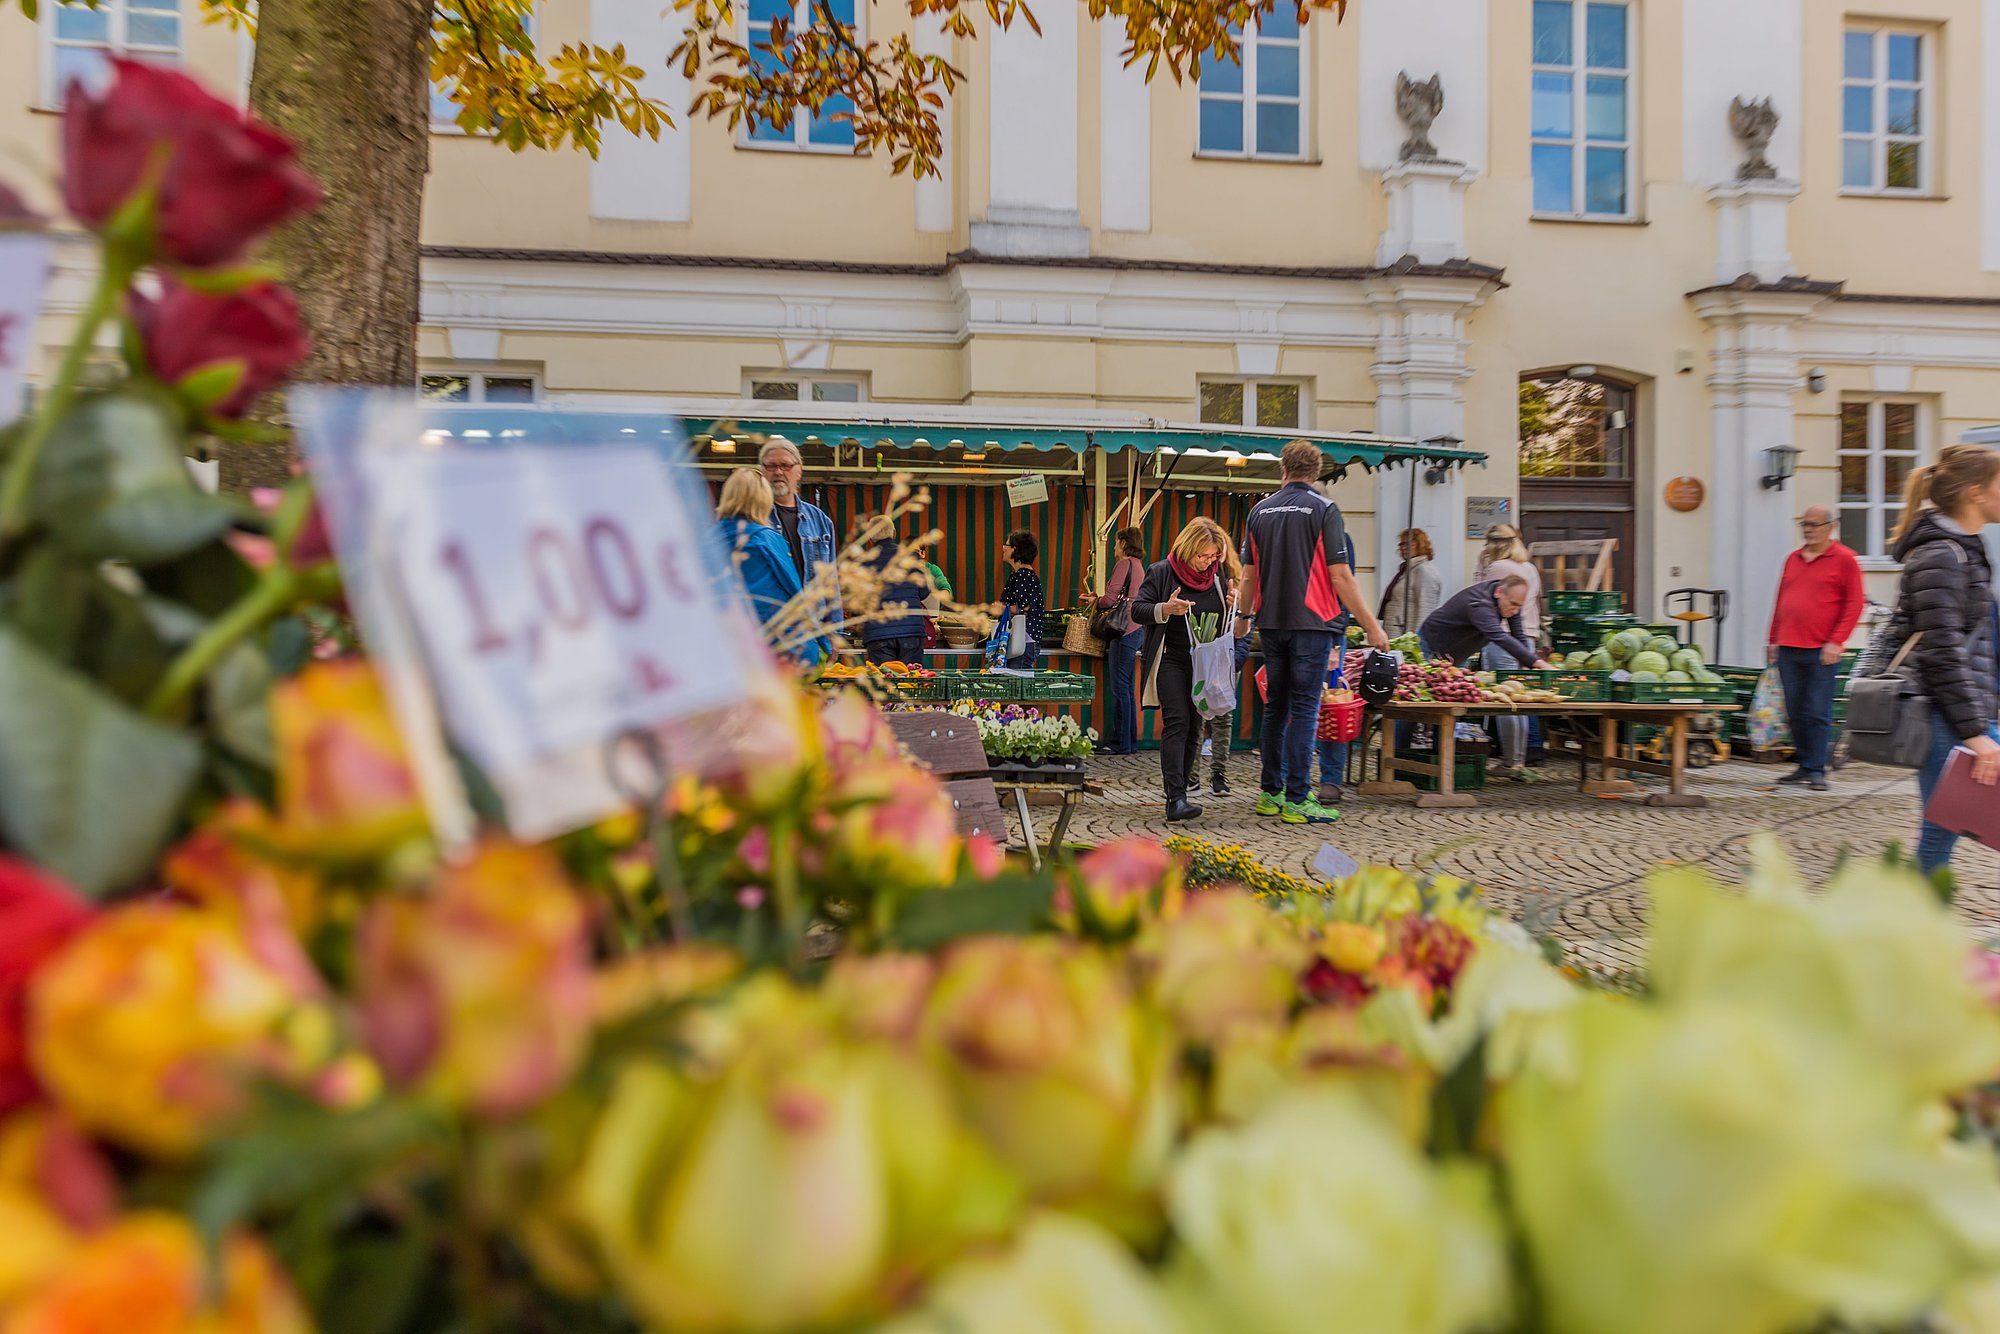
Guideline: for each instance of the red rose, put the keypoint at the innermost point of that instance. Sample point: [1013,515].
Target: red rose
[226,179]
[186,332]
[37,914]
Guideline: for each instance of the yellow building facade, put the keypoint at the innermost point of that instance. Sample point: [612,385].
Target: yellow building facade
[1687,235]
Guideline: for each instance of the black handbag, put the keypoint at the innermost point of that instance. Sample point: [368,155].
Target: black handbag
[1103,621]
[1889,716]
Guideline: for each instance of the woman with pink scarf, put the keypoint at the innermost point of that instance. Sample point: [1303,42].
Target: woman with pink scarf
[1184,598]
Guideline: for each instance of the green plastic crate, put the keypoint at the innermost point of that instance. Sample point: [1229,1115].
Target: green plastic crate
[1669,692]
[1571,681]
[1468,774]
[1575,602]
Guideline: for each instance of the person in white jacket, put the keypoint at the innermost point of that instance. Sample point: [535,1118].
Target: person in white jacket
[1417,588]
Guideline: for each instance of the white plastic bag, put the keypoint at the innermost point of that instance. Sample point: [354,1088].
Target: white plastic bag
[1017,636]
[1767,724]
[1215,669]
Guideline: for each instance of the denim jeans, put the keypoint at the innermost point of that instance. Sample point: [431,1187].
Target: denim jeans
[1809,687]
[906,649]
[1513,730]
[1294,669]
[1934,844]
[1121,732]
[1029,660]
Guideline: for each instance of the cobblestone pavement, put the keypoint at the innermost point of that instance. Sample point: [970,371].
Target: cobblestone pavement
[1553,857]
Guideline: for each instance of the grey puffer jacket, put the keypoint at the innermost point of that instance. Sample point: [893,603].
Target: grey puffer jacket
[1947,593]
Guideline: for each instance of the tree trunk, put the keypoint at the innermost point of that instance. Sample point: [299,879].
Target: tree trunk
[349,82]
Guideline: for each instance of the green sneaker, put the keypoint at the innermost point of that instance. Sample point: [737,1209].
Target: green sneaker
[1270,803]
[1309,811]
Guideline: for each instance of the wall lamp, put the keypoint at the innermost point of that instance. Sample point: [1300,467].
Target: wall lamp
[1780,462]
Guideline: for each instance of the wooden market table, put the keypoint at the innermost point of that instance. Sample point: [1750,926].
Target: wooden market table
[1443,717]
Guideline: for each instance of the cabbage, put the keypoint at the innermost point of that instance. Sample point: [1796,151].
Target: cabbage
[1685,660]
[1645,676]
[1678,678]
[1600,661]
[1663,646]
[1626,643]
[1648,661]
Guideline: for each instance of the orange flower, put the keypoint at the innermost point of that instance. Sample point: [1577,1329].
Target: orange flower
[901,834]
[146,1274]
[272,905]
[148,1022]
[480,990]
[344,783]
[1117,886]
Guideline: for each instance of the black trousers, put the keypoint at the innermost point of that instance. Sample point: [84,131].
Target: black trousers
[1180,726]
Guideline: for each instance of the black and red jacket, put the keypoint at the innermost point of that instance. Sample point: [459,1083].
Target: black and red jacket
[1295,538]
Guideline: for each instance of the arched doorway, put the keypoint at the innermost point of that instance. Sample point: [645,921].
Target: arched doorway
[1578,444]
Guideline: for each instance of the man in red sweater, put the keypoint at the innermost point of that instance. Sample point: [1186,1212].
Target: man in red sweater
[1819,603]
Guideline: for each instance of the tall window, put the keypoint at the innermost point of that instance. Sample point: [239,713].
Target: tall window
[1880,443]
[1275,403]
[1257,109]
[807,130]
[1885,111]
[804,389]
[80,39]
[1582,112]
[1576,430]
[479,387]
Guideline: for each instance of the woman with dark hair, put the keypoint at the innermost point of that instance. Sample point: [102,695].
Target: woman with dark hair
[1122,659]
[1945,608]
[1184,597]
[1023,594]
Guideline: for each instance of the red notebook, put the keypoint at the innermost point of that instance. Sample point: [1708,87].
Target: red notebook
[1963,806]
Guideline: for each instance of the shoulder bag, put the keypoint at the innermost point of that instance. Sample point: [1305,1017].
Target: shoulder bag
[1889,717]
[1104,620]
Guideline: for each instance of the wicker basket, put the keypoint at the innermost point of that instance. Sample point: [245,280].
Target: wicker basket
[1078,639]
[957,634]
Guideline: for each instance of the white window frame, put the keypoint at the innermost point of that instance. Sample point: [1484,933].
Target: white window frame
[1250,386]
[477,376]
[115,44]
[1247,99]
[1878,137]
[1580,72]
[802,121]
[806,380]
[1876,451]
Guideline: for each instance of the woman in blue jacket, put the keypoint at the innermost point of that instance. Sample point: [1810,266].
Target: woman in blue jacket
[758,552]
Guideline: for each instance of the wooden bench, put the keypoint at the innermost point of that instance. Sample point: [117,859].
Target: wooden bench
[948,746]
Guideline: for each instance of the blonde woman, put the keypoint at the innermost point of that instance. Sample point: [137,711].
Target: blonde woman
[1417,588]
[1184,597]
[759,554]
[1216,732]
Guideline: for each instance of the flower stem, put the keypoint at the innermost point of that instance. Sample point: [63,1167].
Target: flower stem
[16,485]
[785,886]
[272,594]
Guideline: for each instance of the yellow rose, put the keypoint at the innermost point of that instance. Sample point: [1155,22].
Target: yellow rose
[480,990]
[147,1024]
[1224,960]
[147,1272]
[1353,947]
[1316,1214]
[345,787]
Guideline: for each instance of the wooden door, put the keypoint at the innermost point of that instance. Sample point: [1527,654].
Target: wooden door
[1574,511]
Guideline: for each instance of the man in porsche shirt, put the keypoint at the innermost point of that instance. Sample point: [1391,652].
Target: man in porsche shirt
[1297,579]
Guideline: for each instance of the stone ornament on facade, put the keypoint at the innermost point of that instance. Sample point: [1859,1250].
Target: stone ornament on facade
[1418,104]
[1753,124]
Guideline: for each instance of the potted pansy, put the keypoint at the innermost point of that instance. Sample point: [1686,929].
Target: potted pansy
[1021,736]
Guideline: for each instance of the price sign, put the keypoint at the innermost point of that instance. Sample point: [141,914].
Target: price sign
[561,597]
[536,585]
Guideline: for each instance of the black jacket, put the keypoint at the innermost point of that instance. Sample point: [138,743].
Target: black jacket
[1468,621]
[1947,591]
[1159,585]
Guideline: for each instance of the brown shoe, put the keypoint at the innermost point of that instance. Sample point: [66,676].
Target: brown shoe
[1330,794]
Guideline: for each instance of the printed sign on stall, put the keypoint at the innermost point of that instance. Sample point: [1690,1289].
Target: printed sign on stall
[1030,490]
[1484,512]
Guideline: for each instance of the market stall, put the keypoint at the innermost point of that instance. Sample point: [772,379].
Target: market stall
[1072,479]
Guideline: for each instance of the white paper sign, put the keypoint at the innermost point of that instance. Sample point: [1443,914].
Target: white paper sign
[1330,863]
[24,271]
[561,597]
[1030,490]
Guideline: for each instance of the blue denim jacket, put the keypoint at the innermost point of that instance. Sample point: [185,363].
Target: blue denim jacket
[822,547]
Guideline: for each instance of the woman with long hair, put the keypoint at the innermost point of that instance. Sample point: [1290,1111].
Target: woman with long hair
[760,557]
[1183,597]
[1945,602]
[1122,659]
[1415,590]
